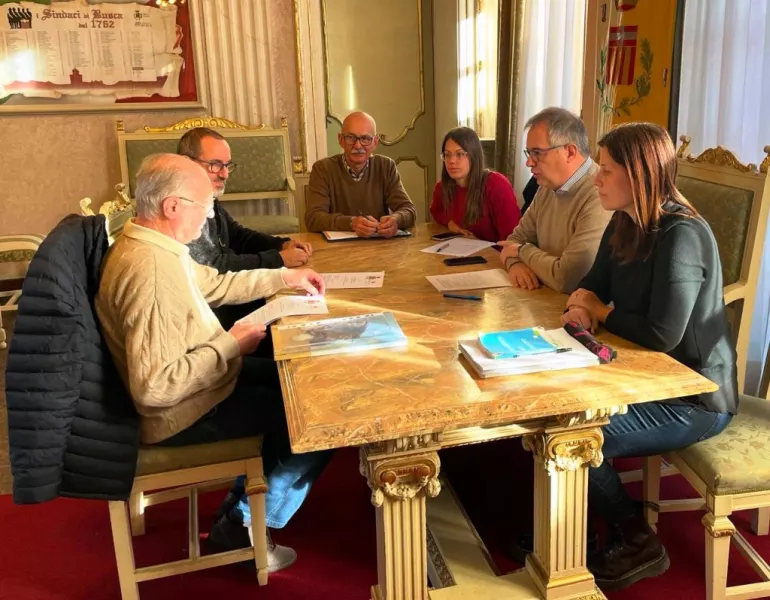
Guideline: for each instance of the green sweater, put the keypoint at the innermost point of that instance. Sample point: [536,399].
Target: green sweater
[334,197]
[673,301]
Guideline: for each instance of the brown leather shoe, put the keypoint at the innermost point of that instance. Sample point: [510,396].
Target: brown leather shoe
[632,552]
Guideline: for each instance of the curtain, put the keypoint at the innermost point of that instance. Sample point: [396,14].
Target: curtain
[477,64]
[724,100]
[547,72]
[510,39]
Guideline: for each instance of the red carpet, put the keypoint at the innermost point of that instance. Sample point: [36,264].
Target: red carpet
[62,550]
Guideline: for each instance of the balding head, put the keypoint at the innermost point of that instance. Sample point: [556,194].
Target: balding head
[173,193]
[360,121]
[358,139]
[164,175]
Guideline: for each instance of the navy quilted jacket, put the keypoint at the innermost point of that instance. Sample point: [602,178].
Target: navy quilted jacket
[73,430]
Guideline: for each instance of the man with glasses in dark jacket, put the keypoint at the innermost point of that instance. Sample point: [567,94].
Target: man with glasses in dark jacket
[224,244]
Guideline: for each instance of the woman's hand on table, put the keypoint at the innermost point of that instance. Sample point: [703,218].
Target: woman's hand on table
[579,315]
[590,302]
[455,228]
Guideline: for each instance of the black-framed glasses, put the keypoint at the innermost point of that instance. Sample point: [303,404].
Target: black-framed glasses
[209,208]
[459,155]
[215,166]
[365,140]
[537,153]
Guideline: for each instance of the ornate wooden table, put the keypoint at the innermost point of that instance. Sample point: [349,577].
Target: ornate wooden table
[402,406]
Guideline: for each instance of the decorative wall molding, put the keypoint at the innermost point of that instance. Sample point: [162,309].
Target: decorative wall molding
[310,80]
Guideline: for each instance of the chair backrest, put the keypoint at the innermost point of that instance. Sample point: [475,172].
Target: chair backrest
[734,198]
[116,212]
[262,154]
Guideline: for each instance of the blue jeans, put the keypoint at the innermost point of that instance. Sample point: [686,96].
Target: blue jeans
[255,407]
[646,430]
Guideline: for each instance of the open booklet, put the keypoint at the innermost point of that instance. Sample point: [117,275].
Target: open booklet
[341,335]
[577,356]
[346,236]
[287,306]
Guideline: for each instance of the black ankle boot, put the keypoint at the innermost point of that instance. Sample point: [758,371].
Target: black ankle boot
[524,544]
[228,533]
[632,552]
[230,502]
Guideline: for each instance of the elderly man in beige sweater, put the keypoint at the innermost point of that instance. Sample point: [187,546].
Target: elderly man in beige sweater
[556,241]
[191,381]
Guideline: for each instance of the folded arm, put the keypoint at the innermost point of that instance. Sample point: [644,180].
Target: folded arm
[562,273]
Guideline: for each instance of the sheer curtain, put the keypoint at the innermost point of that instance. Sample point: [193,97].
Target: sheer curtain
[725,100]
[551,66]
[477,63]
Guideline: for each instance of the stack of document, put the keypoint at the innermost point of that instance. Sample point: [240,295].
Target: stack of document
[572,355]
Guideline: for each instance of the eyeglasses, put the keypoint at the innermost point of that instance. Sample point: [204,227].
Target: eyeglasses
[215,166]
[537,153]
[459,155]
[209,208]
[366,140]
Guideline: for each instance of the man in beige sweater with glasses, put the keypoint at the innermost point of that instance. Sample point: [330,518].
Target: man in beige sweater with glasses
[556,241]
[191,381]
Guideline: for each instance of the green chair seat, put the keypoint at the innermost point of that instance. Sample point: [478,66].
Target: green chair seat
[737,460]
[270,224]
[162,459]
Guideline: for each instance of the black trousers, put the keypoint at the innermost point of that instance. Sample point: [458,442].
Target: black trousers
[255,407]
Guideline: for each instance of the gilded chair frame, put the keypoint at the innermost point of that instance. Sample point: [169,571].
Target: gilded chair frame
[720,166]
[229,129]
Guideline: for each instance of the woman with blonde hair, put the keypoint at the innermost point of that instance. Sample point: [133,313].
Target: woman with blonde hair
[656,281]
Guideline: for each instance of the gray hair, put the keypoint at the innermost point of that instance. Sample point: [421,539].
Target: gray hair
[563,127]
[159,177]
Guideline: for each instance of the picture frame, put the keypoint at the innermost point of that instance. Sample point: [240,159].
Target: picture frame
[188,46]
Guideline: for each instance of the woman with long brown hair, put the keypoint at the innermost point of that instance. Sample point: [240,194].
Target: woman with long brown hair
[470,199]
[656,281]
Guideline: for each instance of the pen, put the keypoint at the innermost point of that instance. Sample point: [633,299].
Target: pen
[441,247]
[463,297]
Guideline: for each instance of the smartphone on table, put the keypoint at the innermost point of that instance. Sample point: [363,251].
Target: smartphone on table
[445,236]
[464,260]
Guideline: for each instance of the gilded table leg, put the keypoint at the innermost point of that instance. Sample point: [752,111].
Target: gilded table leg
[399,483]
[558,563]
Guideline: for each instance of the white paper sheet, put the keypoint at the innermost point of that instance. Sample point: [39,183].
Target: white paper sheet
[457,247]
[286,306]
[336,281]
[475,280]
